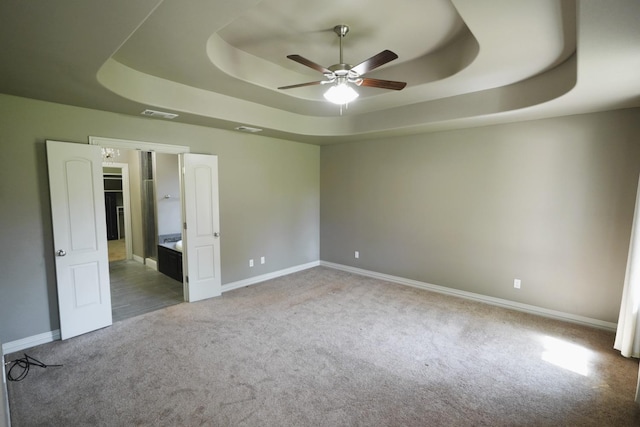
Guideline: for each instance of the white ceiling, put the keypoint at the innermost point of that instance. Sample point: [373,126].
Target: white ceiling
[219,63]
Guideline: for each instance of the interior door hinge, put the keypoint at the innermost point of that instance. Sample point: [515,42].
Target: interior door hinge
[187,278]
[184,225]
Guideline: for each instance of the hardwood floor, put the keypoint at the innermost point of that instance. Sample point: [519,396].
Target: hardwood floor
[117,250]
[137,289]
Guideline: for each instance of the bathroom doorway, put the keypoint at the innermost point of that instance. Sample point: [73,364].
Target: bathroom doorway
[75,171]
[138,206]
[117,210]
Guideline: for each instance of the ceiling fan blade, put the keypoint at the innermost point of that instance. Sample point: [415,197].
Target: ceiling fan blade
[382,84]
[301,85]
[374,62]
[304,61]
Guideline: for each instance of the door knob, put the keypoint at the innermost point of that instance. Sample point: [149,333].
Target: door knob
[216,234]
[61,252]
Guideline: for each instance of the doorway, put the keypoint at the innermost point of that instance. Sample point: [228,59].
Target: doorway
[117,210]
[135,215]
[80,238]
[198,174]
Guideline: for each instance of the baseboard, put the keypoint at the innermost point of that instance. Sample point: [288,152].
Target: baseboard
[32,341]
[5,418]
[263,277]
[46,337]
[28,342]
[532,309]
[151,263]
[138,258]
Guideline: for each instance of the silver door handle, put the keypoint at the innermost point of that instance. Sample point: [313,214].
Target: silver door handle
[216,234]
[61,252]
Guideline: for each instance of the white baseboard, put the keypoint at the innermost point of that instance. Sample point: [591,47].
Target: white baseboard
[28,342]
[263,277]
[151,263]
[532,309]
[46,337]
[138,258]
[32,341]
[5,418]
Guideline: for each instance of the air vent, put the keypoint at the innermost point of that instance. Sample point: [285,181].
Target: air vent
[248,129]
[161,114]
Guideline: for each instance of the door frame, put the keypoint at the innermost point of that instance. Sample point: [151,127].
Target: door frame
[180,150]
[126,202]
[126,144]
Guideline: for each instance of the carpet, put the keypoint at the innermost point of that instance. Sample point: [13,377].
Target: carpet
[328,348]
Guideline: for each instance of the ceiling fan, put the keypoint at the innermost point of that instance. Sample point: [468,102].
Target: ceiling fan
[342,75]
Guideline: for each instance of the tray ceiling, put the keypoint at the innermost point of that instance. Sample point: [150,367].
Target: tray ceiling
[219,63]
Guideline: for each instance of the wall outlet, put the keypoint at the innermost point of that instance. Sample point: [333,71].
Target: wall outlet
[262,260]
[356,254]
[250,263]
[516,283]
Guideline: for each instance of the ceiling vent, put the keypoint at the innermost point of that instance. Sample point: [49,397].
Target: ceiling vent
[248,129]
[161,114]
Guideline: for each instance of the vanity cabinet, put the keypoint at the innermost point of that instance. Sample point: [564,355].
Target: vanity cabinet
[170,262]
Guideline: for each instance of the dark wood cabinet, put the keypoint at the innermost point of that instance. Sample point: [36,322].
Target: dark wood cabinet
[170,262]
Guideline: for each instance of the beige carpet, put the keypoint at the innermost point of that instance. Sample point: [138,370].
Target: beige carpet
[327,348]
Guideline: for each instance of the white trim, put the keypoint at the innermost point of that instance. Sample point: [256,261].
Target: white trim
[126,144]
[263,277]
[47,337]
[32,341]
[526,308]
[151,263]
[137,258]
[5,414]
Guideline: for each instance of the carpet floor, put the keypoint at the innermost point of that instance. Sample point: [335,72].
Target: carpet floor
[327,348]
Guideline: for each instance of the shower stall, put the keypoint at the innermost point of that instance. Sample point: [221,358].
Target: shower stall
[161,208]
[149,206]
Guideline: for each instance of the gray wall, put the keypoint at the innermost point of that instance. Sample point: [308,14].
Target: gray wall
[269,200]
[549,202]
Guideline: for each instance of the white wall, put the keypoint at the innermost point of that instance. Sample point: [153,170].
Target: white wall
[168,184]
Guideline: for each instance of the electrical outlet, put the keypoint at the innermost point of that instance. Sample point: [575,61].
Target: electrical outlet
[516,283]
[250,263]
[357,254]
[262,260]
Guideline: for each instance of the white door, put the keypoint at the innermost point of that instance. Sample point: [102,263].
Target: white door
[79,236]
[201,236]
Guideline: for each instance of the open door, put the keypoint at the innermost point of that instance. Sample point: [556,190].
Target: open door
[79,236]
[201,235]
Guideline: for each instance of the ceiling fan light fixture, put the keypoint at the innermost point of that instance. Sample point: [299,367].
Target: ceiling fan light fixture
[338,75]
[341,94]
